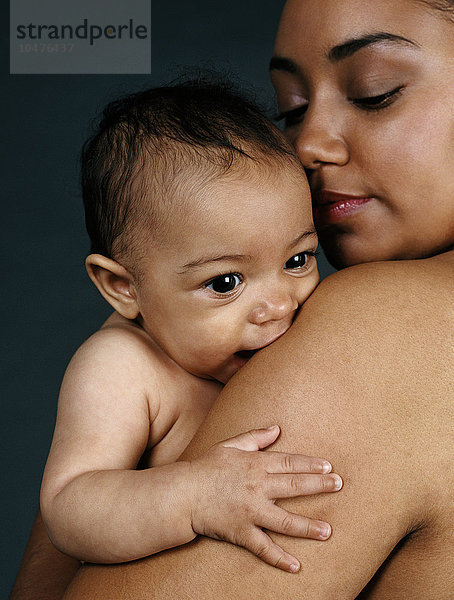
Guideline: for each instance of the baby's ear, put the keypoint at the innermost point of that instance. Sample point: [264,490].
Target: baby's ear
[115,283]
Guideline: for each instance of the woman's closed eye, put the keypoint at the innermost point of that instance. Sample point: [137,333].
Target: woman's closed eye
[293,116]
[224,284]
[377,102]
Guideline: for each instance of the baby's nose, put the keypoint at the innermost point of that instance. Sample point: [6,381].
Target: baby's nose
[273,308]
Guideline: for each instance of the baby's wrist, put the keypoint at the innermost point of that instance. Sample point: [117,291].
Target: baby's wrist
[195,497]
[189,496]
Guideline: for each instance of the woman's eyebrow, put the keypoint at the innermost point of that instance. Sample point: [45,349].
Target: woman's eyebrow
[344,50]
[351,46]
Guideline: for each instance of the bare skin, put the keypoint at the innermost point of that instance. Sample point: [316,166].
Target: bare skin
[388,406]
[373,347]
[366,96]
[138,389]
[45,572]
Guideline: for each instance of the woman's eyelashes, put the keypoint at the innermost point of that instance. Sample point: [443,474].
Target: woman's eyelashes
[294,116]
[377,102]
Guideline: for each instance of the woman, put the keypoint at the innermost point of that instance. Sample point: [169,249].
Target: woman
[366,88]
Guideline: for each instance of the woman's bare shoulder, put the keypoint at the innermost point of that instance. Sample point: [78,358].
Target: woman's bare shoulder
[393,290]
[357,380]
[353,383]
[400,276]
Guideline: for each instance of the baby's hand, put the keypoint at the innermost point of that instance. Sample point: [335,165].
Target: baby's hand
[235,490]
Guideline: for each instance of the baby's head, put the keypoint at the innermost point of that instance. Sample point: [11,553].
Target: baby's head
[200,222]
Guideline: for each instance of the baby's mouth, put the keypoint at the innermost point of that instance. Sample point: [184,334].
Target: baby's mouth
[246,354]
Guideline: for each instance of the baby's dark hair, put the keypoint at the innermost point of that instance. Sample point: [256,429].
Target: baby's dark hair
[188,127]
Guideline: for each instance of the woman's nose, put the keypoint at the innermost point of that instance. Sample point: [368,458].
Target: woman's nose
[273,308]
[319,141]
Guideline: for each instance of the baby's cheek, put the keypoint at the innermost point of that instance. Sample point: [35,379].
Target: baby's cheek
[308,286]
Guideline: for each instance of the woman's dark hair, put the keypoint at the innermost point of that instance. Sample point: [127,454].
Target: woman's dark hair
[187,124]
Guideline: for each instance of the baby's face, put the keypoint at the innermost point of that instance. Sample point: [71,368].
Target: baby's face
[233,271]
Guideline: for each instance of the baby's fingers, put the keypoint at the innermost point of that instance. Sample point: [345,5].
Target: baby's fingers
[260,544]
[290,486]
[281,462]
[253,440]
[287,523]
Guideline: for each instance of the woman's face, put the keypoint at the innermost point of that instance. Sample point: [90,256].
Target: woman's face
[366,90]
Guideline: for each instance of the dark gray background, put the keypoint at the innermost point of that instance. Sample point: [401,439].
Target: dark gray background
[49,306]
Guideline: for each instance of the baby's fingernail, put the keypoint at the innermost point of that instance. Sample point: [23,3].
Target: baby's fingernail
[325,531]
[272,427]
[294,568]
[337,482]
[326,467]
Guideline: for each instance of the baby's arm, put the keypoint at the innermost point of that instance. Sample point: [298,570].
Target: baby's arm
[95,504]
[98,508]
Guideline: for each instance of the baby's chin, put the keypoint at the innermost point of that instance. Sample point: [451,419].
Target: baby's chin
[233,365]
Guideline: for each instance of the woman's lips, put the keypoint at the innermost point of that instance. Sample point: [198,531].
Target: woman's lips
[332,207]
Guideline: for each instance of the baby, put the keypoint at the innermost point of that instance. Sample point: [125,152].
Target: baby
[202,238]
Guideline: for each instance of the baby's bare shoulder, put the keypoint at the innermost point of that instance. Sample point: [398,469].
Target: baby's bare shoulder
[118,347]
[118,361]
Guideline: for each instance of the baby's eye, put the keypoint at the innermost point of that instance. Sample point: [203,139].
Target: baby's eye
[298,261]
[223,284]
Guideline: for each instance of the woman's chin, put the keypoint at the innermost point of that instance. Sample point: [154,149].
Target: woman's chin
[345,250]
